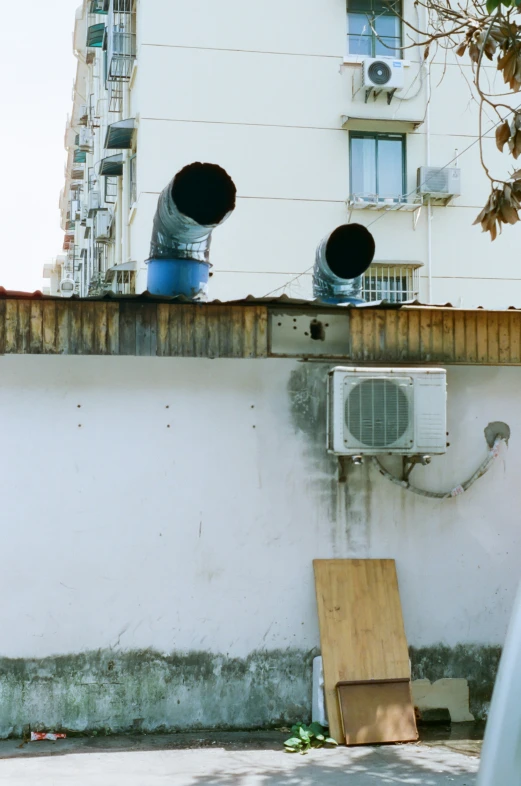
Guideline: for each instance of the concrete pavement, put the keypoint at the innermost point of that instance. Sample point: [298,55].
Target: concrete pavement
[214,766]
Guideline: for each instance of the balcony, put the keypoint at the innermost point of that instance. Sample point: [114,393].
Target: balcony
[121,54]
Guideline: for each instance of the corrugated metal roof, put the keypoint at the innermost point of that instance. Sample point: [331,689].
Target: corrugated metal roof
[281,300]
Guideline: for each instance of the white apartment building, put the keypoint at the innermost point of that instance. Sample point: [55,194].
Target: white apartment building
[285,96]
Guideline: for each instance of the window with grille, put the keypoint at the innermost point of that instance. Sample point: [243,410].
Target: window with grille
[374,28]
[395,283]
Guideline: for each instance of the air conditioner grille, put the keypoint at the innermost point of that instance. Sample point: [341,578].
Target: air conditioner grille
[436,181]
[379,72]
[377,412]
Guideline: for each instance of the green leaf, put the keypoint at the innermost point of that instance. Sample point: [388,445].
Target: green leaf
[316,729]
[492,5]
[331,741]
[292,750]
[320,737]
[293,742]
[304,734]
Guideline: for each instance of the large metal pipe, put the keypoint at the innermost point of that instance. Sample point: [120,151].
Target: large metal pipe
[195,202]
[341,259]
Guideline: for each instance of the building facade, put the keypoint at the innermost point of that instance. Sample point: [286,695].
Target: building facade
[281,95]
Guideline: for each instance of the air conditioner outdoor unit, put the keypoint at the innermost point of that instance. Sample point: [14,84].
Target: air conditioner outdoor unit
[84,114]
[372,411]
[439,183]
[85,141]
[94,202]
[382,73]
[102,225]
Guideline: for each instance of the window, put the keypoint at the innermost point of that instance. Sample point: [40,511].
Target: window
[377,166]
[133,180]
[373,28]
[395,283]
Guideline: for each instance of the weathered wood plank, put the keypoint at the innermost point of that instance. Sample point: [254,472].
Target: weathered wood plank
[471,336]
[11,326]
[24,327]
[379,330]
[63,312]
[127,329]
[426,335]
[482,337]
[88,326]
[187,336]
[448,336]
[259,345]
[437,335]
[504,323]
[36,327]
[200,331]
[413,336]
[402,329]
[49,327]
[357,335]
[493,337]
[460,346]
[75,337]
[112,328]
[146,329]
[392,346]
[100,329]
[163,332]
[515,337]
[3,309]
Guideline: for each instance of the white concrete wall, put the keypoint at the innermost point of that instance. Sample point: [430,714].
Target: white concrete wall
[177,505]
[262,91]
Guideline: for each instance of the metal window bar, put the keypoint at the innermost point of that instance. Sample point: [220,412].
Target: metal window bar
[111,190]
[394,283]
[115,97]
[121,41]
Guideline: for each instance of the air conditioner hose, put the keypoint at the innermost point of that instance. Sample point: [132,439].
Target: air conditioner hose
[492,454]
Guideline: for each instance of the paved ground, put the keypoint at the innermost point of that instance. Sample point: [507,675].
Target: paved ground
[231,760]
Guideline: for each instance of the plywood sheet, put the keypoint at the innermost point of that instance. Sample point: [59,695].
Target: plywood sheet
[377,712]
[361,626]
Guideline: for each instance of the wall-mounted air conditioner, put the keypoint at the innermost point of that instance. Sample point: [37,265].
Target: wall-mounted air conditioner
[382,73]
[86,139]
[439,183]
[84,114]
[94,202]
[372,411]
[102,225]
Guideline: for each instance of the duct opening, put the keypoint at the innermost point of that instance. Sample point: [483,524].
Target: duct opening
[204,192]
[349,251]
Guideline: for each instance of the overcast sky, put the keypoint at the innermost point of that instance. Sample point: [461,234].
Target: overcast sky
[37,69]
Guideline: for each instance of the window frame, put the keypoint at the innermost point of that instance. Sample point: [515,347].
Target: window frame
[372,15]
[377,135]
[389,275]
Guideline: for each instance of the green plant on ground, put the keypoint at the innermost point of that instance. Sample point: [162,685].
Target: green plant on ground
[306,737]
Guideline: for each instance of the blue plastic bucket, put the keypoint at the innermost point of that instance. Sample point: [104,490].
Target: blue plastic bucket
[172,277]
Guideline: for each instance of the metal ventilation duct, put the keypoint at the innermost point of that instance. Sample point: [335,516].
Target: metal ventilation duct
[195,202]
[341,259]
